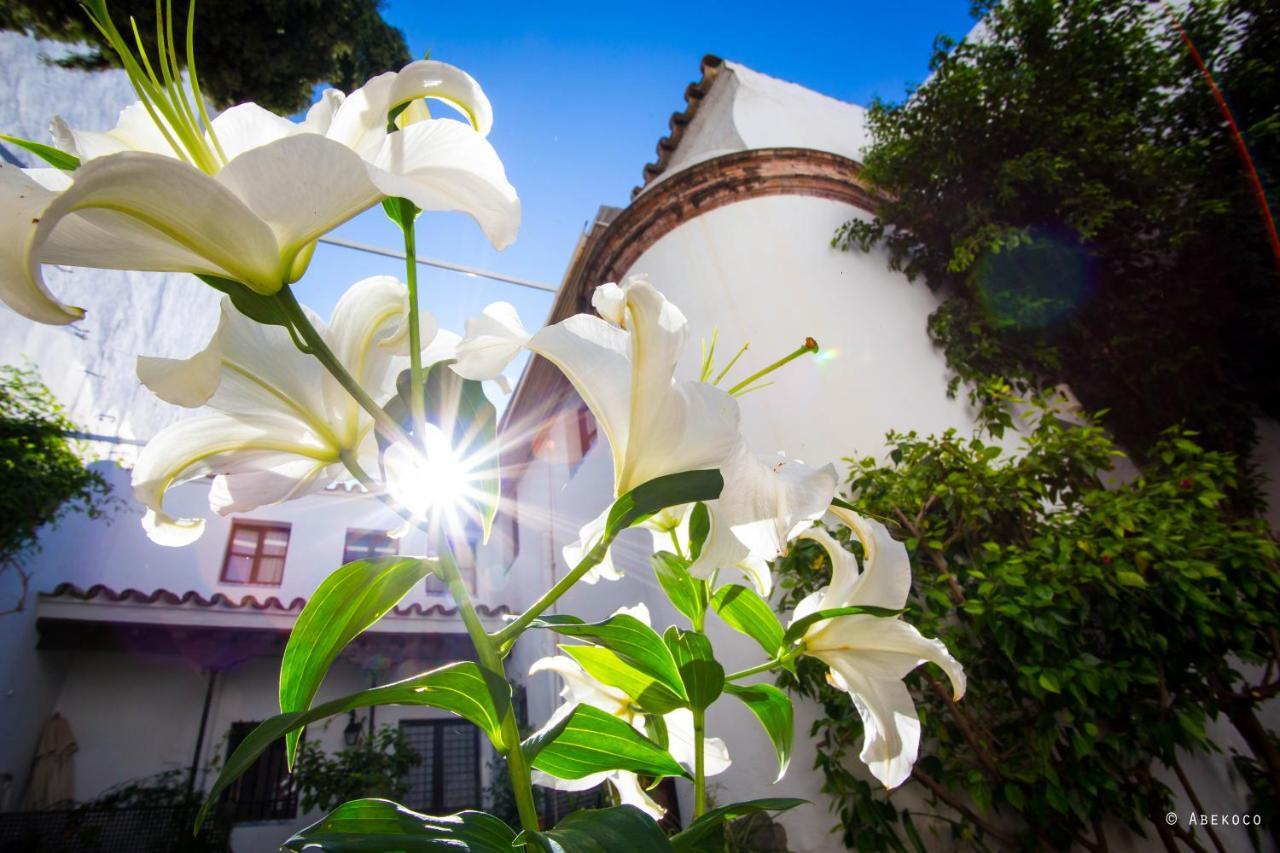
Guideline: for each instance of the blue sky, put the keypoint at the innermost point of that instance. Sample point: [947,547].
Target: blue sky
[582,93]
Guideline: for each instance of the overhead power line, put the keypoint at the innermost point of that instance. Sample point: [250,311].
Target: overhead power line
[444,265]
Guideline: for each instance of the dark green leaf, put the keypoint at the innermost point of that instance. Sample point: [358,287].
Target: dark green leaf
[773,709]
[633,641]
[699,528]
[702,674]
[250,303]
[463,688]
[602,831]
[658,494]
[344,606]
[913,835]
[591,741]
[53,156]
[381,825]
[700,836]
[743,610]
[607,667]
[797,629]
[684,590]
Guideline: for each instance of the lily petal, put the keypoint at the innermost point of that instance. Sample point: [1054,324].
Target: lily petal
[581,688]
[302,186]
[135,130]
[588,537]
[429,78]
[680,743]
[320,116]
[631,793]
[445,165]
[882,648]
[886,577]
[891,729]
[208,444]
[187,382]
[23,202]
[490,342]
[146,212]
[767,500]
[281,480]
[247,126]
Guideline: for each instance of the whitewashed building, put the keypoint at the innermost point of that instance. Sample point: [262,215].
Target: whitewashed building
[157,657]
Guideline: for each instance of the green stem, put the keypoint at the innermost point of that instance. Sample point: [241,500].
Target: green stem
[417,403]
[320,349]
[490,659]
[507,637]
[699,764]
[763,667]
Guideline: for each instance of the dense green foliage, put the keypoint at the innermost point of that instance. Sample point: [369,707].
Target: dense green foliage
[1101,624]
[273,52]
[1068,181]
[41,476]
[374,767]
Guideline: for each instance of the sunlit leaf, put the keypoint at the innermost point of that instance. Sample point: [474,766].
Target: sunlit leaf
[634,642]
[381,825]
[684,590]
[797,629]
[601,831]
[702,674]
[589,741]
[706,834]
[744,610]
[344,606]
[54,157]
[659,493]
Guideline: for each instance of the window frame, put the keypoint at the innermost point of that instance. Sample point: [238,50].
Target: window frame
[438,726]
[260,527]
[361,532]
[282,807]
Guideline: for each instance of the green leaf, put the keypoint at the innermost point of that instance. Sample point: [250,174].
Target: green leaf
[1132,579]
[702,674]
[344,606]
[745,611]
[658,494]
[590,741]
[773,709]
[684,590]
[699,528]
[463,688]
[704,835]
[601,831]
[634,642]
[606,666]
[257,307]
[53,156]
[401,211]
[381,825]
[1050,682]
[797,629]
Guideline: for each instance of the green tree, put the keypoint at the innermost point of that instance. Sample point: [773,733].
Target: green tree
[1068,181]
[273,52]
[373,767]
[41,475]
[1101,624]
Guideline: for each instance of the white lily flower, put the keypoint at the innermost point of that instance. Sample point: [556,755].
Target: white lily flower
[579,688]
[868,656]
[279,422]
[624,371]
[247,198]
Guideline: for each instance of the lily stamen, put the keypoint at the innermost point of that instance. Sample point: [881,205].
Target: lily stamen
[809,346]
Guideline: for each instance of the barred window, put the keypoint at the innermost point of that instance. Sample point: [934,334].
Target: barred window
[368,544]
[255,552]
[265,791]
[447,779]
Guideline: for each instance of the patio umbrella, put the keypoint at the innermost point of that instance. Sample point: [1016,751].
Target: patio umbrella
[52,773]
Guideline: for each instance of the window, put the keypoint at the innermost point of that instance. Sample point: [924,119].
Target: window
[265,791]
[367,544]
[448,776]
[255,552]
